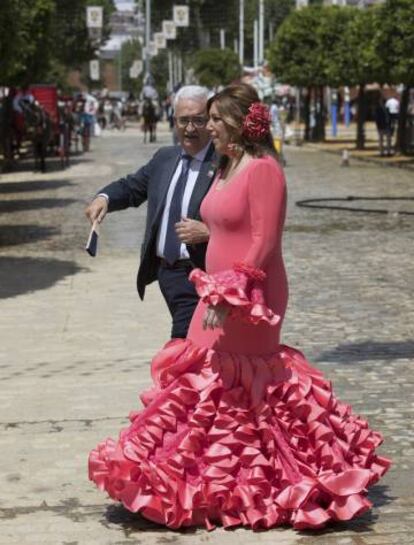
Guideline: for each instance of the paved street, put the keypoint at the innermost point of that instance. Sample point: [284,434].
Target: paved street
[76,342]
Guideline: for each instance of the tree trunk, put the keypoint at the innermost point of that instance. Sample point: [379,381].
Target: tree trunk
[306,114]
[320,114]
[401,143]
[360,143]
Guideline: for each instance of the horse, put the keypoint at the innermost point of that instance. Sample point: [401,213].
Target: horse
[38,129]
[7,132]
[150,118]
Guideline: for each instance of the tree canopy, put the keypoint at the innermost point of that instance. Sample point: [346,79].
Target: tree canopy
[296,56]
[395,40]
[41,39]
[215,67]
[131,50]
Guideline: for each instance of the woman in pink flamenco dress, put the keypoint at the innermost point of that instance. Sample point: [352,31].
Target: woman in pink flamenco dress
[239,429]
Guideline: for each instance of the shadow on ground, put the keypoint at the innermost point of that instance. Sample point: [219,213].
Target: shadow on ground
[358,224]
[19,275]
[33,204]
[53,164]
[396,205]
[13,235]
[32,185]
[368,350]
[378,495]
[133,522]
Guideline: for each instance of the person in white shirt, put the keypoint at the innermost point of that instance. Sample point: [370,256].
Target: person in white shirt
[173,183]
[392,105]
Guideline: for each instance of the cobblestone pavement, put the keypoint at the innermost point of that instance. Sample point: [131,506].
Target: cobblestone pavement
[76,341]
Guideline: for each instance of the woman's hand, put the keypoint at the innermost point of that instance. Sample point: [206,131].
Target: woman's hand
[215,316]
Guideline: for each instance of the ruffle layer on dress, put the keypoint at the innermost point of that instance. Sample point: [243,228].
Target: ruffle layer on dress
[227,439]
[240,288]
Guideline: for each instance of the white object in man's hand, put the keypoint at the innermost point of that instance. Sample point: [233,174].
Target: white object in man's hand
[191,231]
[97,210]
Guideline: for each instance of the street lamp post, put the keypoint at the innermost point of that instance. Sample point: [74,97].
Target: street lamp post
[347,107]
[334,111]
[120,67]
[241,32]
[255,43]
[297,120]
[222,38]
[261,33]
[147,37]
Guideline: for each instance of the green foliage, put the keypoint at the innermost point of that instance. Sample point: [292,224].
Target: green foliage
[207,17]
[25,38]
[41,39]
[354,58]
[73,46]
[159,70]
[328,46]
[131,51]
[395,45]
[296,55]
[214,67]
[335,43]
[275,13]
[395,40]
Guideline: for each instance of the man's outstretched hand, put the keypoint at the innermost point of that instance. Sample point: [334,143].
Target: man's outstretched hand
[191,231]
[97,209]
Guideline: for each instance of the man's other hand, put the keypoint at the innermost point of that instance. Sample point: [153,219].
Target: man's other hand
[192,231]
[97,209]
[215,316]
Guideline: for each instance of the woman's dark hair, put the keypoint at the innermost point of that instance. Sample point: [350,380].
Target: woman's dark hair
[233,105]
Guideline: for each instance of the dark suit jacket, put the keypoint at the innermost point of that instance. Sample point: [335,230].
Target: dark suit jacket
[150,183]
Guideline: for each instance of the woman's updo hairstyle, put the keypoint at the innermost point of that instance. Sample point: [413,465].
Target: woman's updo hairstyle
[235,103]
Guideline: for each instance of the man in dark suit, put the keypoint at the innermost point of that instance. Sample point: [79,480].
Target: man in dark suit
[173,182]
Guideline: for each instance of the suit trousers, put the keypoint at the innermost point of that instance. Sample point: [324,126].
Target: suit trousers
[180,296]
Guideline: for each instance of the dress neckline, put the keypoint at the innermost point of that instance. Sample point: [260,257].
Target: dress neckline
[237,174]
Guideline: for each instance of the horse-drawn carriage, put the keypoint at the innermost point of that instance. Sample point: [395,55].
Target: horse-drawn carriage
[55,123]
[41,120]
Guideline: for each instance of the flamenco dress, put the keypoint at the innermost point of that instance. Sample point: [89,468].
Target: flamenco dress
[239,429]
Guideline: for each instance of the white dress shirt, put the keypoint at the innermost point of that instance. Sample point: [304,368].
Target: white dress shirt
[393,106]
[194,171]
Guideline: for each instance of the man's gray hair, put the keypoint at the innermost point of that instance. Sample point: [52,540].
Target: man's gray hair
[192,92]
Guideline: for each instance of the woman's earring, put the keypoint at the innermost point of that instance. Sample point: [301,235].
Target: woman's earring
[234,149]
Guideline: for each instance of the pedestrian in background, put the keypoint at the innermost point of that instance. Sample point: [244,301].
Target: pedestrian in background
[383,123]
[393,107]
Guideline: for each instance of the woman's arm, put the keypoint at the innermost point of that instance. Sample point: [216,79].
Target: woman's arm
[238,292]
[266,195]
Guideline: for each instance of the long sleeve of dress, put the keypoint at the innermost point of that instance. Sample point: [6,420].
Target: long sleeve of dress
[266,194]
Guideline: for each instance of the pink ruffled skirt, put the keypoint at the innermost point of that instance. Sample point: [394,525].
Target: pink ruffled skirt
[233,440]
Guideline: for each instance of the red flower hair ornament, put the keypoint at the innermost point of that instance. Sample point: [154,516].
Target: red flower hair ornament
[256,124]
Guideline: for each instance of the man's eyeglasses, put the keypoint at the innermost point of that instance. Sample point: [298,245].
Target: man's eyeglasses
[197,121]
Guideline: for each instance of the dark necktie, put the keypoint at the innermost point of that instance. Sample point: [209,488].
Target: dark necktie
[172,243]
